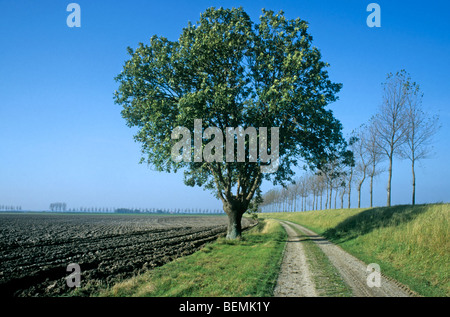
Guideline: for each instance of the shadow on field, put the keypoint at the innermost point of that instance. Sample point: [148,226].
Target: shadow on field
[372,219]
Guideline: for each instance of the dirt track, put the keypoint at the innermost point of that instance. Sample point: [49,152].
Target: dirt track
[292,282]
[295,277]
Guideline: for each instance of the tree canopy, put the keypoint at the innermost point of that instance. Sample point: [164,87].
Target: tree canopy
[231,72]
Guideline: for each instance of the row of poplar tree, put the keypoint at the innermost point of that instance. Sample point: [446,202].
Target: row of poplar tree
[400,129]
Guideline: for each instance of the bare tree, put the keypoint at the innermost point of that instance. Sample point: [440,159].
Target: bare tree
[361,157]
[303,192]
[268,200]
[336,184]
[342,191]
[296,192]
[58,206]
[350,182]
[325,175]
[351,166]
[421,129]
[343,181]
[328,173]
[317,190]
[321,187]
[375,156]
[391,121]
[332,172]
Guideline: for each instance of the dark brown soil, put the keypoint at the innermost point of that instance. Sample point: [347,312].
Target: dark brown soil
[35,249]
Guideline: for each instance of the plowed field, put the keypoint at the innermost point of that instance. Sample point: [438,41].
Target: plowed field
[35,249]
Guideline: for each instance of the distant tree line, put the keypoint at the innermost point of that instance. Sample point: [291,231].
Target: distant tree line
[58,207]
[169,210]
[10,208]
[400,129]
[61,207]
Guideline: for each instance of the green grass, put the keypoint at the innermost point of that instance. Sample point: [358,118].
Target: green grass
[245,267]
[411,244]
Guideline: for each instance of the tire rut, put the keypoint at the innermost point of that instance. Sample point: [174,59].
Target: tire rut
[354,271]
[295,279]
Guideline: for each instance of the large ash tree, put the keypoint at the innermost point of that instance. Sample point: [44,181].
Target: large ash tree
[228,71]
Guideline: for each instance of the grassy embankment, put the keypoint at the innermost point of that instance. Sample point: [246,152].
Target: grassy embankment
[411,244]
[246,267]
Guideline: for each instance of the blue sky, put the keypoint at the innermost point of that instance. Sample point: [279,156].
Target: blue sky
[62,138]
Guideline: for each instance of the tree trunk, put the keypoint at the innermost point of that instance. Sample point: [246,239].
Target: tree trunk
[388,203]
[335,198]
[234,230]
[234,212]
[359,191]
[359,195]
[350,186]
[371,190]
[331,194]
[413,184]
[372,175]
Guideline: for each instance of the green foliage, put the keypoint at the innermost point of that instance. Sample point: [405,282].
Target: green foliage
[230,72]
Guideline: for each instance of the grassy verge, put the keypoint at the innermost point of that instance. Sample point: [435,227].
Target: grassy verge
[246,267]
[411,244]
